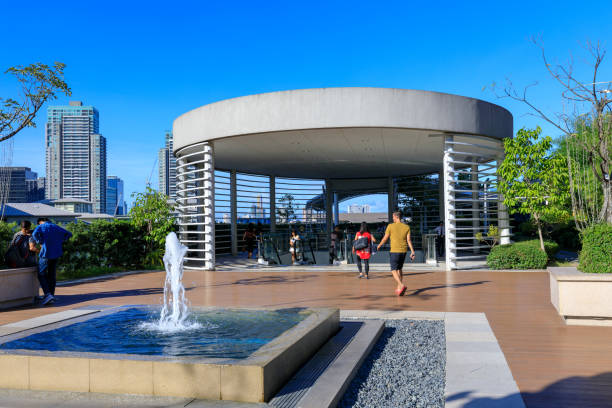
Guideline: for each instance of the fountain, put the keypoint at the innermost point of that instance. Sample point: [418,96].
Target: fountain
[211,353]
[175,309]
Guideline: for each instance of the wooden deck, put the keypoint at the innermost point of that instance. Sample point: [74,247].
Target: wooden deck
[554,365]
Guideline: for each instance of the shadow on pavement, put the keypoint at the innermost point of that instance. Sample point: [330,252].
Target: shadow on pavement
[571,392]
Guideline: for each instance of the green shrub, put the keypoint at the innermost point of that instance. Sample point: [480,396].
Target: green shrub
[596,254]
[522,255]
[6,236]
[102,244]
[550,247]
[528,229]
[566,235]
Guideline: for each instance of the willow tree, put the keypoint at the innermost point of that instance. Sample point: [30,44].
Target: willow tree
[587,135]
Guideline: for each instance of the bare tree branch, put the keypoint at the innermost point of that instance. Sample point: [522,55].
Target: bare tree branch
[588,135]
[39,83]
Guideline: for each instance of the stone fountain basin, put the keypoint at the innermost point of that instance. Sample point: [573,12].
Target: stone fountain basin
[253,379]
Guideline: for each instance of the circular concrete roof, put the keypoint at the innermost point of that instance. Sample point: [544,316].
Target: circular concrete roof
[327,132]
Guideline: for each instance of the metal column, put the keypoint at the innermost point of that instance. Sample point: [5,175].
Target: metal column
[272,204]
[391,198]
[336,209]
[233,213]
[328,210]
[449,205]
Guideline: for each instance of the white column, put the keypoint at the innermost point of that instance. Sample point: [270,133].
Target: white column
[475,206]
[233,213]
[503,221]
[209,206]
[449,205]
[272,204]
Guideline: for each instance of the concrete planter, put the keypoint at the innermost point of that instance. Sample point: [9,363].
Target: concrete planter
[18,287]
[581,298]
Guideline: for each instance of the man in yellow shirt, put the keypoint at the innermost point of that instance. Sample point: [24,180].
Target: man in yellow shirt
[400,241]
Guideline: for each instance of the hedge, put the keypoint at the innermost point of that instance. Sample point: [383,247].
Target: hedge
[522,255]
[596,253]
[6,236]
[101,245]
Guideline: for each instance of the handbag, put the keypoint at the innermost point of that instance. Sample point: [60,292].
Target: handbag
[361,243]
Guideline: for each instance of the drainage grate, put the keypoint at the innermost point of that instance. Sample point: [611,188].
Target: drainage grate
[291,394]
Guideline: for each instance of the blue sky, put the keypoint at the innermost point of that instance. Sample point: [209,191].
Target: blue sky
[142,64]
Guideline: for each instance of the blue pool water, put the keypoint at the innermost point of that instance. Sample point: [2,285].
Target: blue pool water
[215,333]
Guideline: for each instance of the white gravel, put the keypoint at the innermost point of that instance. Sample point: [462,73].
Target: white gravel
[404,369]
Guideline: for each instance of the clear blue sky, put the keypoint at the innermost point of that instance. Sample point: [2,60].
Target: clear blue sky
[142,64]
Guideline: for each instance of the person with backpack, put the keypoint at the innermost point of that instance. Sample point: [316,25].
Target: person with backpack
[19,254]
[362,247]
[50,237]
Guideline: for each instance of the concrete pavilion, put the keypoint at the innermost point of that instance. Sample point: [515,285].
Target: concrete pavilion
[353,141]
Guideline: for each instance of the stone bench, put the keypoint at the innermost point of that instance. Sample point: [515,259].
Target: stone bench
[18,286]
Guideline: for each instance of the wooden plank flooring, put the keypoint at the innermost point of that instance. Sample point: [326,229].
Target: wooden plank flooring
[554,365]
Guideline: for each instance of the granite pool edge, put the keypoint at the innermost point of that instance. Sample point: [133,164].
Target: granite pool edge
[254,379]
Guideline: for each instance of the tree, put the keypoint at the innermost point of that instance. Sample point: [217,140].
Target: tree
[491,238]
[590,152]
[39,83]
[534,179]
[586,189]
[152,212]
[286,212]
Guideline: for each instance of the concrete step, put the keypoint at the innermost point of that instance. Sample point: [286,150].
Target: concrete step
[322,381]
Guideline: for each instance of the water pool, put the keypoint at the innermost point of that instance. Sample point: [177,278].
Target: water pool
[218,333]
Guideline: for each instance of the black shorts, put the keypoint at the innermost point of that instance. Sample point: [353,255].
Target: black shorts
[397,260]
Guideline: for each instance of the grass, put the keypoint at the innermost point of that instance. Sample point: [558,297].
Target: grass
[557,263]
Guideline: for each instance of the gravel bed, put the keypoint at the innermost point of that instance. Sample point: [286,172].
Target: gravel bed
[404,369]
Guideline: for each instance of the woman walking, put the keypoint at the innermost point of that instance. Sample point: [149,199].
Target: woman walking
[362,247]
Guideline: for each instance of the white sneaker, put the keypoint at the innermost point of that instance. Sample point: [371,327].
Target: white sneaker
[48,299]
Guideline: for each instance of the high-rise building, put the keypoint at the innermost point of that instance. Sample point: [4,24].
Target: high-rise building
[20,185]
[40,189]
[114,196]
[358,209]
[75,155]
[167,168]
[98,173]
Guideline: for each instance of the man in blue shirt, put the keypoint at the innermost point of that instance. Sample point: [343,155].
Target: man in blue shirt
[50,237]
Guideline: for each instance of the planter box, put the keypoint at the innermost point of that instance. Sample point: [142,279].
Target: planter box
[18,287]
[581,298]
